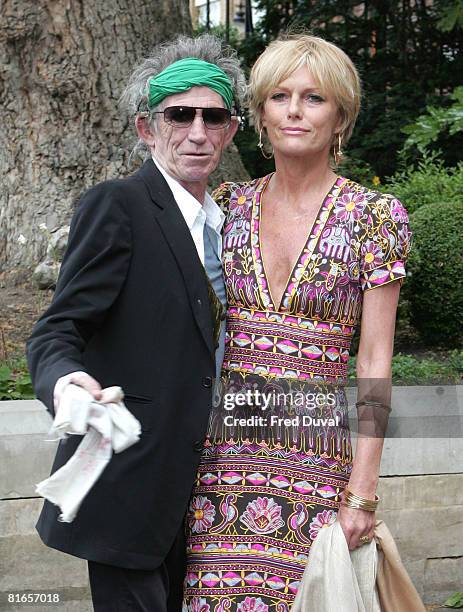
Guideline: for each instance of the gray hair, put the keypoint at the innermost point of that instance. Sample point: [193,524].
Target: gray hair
[206,47]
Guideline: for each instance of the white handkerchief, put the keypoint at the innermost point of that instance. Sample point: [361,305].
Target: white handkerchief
[106,425]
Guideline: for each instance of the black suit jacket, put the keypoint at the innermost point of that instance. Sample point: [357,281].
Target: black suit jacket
[131,308]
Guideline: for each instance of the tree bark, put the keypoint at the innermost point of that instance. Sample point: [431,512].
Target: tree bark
[63,66]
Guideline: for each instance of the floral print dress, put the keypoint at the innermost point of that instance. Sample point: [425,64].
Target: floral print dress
[270,478]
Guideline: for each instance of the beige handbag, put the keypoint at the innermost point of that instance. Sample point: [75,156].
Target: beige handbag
[395,589]
[370,578]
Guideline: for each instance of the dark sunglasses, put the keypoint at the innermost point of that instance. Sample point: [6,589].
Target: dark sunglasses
[183,116]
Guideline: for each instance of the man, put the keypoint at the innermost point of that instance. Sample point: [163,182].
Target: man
[133,307]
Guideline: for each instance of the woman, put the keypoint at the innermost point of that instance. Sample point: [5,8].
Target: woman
[303,251]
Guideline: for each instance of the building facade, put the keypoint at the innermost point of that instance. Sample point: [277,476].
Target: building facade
[213,13]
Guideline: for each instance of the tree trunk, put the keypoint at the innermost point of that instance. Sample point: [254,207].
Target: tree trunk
[63,66]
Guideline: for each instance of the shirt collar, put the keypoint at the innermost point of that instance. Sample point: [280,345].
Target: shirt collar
[190,207]
[214,216]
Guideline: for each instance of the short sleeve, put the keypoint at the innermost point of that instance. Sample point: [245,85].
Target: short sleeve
[386,244]
[222,196]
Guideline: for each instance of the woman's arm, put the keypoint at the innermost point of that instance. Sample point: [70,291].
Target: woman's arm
[374,381]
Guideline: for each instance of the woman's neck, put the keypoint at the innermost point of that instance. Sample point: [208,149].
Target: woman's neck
[298,180]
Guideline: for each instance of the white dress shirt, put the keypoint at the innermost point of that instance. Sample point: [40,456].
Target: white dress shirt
[195,214]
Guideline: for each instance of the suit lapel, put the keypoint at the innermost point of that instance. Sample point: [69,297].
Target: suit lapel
[180,241]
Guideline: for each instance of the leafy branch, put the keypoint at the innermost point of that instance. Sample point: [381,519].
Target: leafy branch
[434,122]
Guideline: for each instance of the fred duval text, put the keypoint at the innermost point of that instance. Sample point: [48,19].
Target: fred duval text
[272,420]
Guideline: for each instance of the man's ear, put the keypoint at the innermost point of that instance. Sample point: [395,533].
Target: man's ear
[231,130]
[144,130]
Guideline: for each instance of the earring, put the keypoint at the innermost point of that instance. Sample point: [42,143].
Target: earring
[260,144]
[338,154]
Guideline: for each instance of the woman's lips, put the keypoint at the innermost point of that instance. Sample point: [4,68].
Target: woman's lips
[294,130]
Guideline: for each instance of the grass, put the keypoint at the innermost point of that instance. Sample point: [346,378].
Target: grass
[443,369]
[15,380]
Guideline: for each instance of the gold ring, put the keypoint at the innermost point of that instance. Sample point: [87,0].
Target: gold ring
[365,539]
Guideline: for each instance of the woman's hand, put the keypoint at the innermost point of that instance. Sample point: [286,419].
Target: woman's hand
[355,524]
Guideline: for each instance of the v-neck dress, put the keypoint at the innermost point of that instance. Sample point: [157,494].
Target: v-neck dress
[271,477]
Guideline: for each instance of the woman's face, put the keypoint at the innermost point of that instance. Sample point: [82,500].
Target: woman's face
[300,121]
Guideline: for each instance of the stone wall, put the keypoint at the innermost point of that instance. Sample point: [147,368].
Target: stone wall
[421,487]
[27,565]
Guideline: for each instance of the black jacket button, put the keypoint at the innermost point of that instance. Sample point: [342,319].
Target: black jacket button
[198,446]
[207,382]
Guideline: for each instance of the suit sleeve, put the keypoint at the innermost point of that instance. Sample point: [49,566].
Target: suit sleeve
[92,274]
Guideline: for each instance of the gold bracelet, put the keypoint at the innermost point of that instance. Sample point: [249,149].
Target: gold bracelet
[359,503]
[373,404]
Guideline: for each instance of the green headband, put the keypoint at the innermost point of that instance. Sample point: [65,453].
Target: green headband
[185,74]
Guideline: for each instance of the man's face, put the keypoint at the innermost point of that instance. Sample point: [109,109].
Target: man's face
[190,154]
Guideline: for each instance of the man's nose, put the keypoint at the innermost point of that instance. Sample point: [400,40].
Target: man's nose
[197,132]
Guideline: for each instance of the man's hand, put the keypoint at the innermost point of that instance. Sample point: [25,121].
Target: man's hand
[81,379]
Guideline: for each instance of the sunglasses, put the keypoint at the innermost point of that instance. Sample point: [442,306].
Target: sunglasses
[183,116]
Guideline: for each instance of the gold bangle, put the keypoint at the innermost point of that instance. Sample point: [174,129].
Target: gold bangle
[359,503]
[373,404]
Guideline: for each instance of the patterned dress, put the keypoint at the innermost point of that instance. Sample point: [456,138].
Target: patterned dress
[270,479]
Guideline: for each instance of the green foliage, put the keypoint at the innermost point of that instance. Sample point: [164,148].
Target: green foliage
[435,280]
[429,183]
[412,370]
[452,15]
[407,369]
[358,170]
[455,600]
[15,381]
[405,59]
[435,285]
[437,120]
[246,140]
[455,360]
[220,31]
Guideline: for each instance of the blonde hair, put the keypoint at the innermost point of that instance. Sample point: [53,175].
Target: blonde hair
[330,66]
